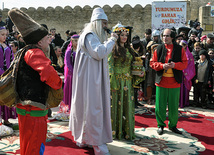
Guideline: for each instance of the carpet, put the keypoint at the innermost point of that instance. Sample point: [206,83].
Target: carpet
[197,138]
[196,124]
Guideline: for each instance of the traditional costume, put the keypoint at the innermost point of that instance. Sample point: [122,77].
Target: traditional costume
[6,57]
[68,72]
[35,76]
[188,74]
[122,91]
[90,117]
[168,83]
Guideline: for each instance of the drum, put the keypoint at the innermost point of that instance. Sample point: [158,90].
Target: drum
[137,67]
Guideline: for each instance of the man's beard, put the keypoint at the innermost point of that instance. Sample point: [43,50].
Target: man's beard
[102,36]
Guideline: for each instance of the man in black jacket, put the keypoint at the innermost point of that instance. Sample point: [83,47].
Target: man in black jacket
[168,61]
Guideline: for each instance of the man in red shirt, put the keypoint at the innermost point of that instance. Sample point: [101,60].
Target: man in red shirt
[35,78]
[169,59]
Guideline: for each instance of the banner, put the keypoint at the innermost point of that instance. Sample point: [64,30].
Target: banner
[168,15]
[212,11]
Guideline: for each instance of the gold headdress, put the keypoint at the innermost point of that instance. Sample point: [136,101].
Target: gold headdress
[120,28]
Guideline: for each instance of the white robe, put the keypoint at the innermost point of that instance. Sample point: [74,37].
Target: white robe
[90,116]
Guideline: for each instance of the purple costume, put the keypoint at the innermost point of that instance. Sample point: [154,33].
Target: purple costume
[188,74]
[6,57]
[68,72]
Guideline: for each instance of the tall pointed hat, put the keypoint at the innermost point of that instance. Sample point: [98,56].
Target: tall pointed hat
[31,31]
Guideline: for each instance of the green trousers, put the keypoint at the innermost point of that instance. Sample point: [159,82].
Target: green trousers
[166,96]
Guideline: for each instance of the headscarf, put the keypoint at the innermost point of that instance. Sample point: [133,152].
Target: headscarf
[2,28]
[70,44]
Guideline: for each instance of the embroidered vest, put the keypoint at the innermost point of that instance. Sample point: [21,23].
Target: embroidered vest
[176,57]
[31,90]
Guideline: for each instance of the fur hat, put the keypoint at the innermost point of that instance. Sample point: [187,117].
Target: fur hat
[31,31]
[98,13]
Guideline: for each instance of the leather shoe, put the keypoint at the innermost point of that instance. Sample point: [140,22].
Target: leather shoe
[160,130]
[175,130]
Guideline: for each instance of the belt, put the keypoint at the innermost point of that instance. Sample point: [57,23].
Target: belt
[34,113]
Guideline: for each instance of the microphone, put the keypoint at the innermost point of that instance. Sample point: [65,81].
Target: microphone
[170,60]
[107,30]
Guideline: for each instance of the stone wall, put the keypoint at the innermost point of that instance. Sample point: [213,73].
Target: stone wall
[206,19]
[68,18]
[194,7]
[75,18]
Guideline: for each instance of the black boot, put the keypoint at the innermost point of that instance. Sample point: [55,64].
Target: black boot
[175,130]
[49,113]
[160,130]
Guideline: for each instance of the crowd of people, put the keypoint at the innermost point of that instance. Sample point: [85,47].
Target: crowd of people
[104,79]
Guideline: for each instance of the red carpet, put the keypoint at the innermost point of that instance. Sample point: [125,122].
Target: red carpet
[65,146]
[193,123]
[199,126]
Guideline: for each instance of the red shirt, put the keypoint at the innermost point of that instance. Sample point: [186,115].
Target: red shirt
[168,82]
[37,60]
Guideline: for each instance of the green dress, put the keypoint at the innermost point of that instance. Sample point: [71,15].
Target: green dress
[122,97]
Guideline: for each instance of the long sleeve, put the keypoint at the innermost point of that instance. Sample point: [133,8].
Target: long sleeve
[68,59]
[154,64]
[168,82]
[210,72]
[1,61]
[178,65]
[113,83]
[111,64]
[37,60]
[96,49]
[189,72]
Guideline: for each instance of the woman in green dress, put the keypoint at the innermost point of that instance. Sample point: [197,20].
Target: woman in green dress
[122,91]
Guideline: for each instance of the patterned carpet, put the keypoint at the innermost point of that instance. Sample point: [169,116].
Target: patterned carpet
[149,142]
[193,141]
[197,138]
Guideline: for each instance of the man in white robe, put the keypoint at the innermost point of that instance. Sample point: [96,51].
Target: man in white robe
[90,116]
